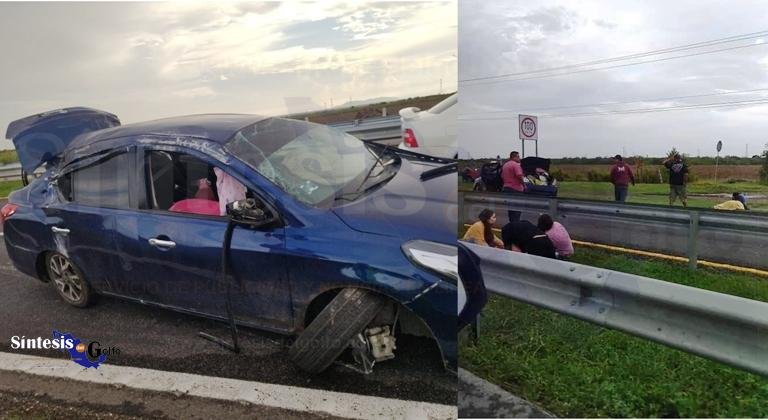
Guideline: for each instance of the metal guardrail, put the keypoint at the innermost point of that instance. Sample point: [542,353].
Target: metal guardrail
[12,172]
[373,129]
[738,238]
[721,327]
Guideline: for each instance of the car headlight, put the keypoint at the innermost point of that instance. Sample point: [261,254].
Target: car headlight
[439,258]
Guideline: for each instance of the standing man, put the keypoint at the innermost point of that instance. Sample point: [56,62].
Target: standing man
[512,174]
[621,176]
[678,178]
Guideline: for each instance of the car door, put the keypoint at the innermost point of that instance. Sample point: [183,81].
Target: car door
[174,258]
[93,196]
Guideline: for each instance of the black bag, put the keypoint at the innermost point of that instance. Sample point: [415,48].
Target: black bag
[491,174]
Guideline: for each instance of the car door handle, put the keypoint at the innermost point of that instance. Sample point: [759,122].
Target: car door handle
[159,243]
[60,231]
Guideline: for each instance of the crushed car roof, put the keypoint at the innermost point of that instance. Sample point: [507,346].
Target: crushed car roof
[215,127]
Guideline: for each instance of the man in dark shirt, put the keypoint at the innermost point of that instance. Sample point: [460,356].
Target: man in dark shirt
[621,176]
[678,178]
[528,238]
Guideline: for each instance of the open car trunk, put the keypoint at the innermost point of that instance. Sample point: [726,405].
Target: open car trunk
[41,138]
[538,183]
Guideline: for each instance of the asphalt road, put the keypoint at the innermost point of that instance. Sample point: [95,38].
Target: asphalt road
[165,340]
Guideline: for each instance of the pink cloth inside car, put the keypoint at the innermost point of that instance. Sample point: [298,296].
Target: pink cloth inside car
[196,206]
[230,190]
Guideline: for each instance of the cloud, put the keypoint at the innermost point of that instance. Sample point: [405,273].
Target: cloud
[147,60]
[511,37]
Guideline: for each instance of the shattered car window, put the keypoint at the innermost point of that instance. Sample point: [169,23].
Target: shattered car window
[311,162]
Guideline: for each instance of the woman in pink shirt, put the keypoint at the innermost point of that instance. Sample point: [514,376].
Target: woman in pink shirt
[558,235]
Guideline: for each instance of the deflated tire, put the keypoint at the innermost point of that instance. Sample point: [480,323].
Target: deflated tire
[330,332]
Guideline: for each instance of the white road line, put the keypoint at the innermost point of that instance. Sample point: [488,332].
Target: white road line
[271,395]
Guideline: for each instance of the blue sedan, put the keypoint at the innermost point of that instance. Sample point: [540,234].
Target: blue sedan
[271,223]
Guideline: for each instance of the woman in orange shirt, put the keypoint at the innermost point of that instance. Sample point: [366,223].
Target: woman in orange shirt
[481,232]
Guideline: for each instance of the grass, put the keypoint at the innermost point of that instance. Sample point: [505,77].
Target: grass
[6,187]
[658,193]
[576,369]
[8,156]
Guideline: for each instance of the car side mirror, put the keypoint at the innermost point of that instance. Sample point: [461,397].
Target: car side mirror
[249,212]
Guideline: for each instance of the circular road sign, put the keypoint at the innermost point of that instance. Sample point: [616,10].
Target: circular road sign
[719,145]
[528,127]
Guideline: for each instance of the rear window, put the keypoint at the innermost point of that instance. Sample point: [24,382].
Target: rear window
[104,184]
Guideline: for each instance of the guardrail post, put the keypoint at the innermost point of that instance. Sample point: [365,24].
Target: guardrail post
[693,241]
[553,208]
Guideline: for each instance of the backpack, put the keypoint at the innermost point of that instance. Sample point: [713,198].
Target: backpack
[491,174]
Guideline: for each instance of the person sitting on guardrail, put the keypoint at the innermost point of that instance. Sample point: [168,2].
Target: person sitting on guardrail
[621,176]
[512,175]
[733,204]
[528,238]
[481,232]
[678,178]
[558,235]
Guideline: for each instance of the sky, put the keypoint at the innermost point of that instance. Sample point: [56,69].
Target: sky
[143,61]
[510,37]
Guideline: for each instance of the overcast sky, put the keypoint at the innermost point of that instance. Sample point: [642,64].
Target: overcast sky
[144,61]
[503,37]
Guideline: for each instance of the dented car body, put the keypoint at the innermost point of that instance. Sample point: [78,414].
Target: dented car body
[348,215]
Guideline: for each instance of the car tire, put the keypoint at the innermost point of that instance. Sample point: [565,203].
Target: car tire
[68,280]
[329,334]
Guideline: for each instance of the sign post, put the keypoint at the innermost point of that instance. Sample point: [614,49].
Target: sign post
[528,126]
[717,159]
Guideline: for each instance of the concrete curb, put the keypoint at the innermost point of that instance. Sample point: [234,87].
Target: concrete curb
[261,394]
[479,398]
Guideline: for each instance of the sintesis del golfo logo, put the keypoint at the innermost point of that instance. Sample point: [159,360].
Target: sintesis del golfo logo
[87,355]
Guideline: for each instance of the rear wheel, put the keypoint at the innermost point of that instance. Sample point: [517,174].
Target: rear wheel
[68,280]
[330,332]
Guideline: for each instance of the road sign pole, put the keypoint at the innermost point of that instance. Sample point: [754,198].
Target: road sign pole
[717,162]
[719,147]
[537,147]
[523,148]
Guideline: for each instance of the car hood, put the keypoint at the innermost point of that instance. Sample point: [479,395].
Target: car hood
[407,206]
[40,138]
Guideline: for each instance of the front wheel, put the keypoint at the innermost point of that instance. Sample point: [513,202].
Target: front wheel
[330,332]
[68,280]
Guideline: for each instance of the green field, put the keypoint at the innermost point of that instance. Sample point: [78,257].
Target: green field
[8,156]
[7,186]
[659,193]
[576,369]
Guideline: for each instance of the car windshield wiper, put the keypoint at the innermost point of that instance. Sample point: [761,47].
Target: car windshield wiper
[439,171]
[357,192]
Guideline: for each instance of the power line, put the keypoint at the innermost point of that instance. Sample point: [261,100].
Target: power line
[635,101]
[617,66]
[642,110]
[718,41]
[664,109]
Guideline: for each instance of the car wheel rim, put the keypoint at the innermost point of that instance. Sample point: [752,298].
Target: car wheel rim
[67,281]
